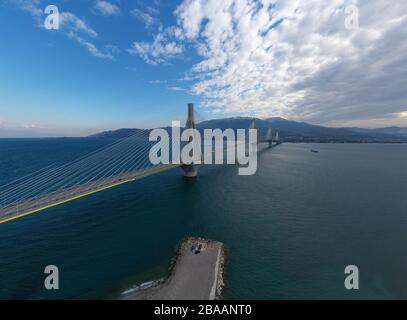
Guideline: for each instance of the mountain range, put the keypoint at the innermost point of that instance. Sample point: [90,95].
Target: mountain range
[290,131]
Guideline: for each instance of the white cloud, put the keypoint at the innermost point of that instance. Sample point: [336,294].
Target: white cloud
[159,51]
[153,11]
[107,53]
[71,22]
[147,18]
[31,6]
[106,8]
[72,26]
[293,58]
[157,81]
[67,20]
[176,89]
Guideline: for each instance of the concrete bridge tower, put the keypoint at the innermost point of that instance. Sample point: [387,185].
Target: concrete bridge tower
[191,117]
[269,137]
[277,138]
[190,170]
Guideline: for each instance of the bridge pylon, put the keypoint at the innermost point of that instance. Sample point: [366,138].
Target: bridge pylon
[269,137]
[190,170]
[254,126]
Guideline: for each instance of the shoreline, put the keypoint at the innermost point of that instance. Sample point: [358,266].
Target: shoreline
[191,275]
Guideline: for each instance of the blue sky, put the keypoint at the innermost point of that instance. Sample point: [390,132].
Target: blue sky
[123,63]
[52,82]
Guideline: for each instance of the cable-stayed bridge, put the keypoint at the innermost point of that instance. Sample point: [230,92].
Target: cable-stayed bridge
[121,162]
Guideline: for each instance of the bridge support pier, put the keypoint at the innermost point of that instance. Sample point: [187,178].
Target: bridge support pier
[190,170]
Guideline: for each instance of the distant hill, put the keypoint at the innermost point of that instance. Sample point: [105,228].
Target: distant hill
[302,131]
[290,131]
[116,134]
[396,131]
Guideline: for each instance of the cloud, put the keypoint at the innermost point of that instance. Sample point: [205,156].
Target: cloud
[153,11]
[157,81]
[107,53]
[72,26]
[106,8]
[292,58]
[176,89]
[147,18]
[71,22]
[159,51]
[30,6]
[67,20]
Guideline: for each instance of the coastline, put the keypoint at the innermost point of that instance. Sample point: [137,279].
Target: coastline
[191,275]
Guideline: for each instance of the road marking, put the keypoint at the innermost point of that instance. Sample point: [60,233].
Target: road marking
[158,170]
[215,282]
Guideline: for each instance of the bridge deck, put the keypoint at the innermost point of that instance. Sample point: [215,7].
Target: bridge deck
[66,195]
[43,202]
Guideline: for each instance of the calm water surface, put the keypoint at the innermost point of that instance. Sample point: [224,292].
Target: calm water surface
[290,229]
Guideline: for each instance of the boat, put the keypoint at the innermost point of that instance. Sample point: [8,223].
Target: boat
[315,151]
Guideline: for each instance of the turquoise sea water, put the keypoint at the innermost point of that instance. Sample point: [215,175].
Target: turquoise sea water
[290,229]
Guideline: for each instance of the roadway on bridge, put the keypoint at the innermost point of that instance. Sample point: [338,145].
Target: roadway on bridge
[63,196]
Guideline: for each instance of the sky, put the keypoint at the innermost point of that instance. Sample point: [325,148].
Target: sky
[134,63]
